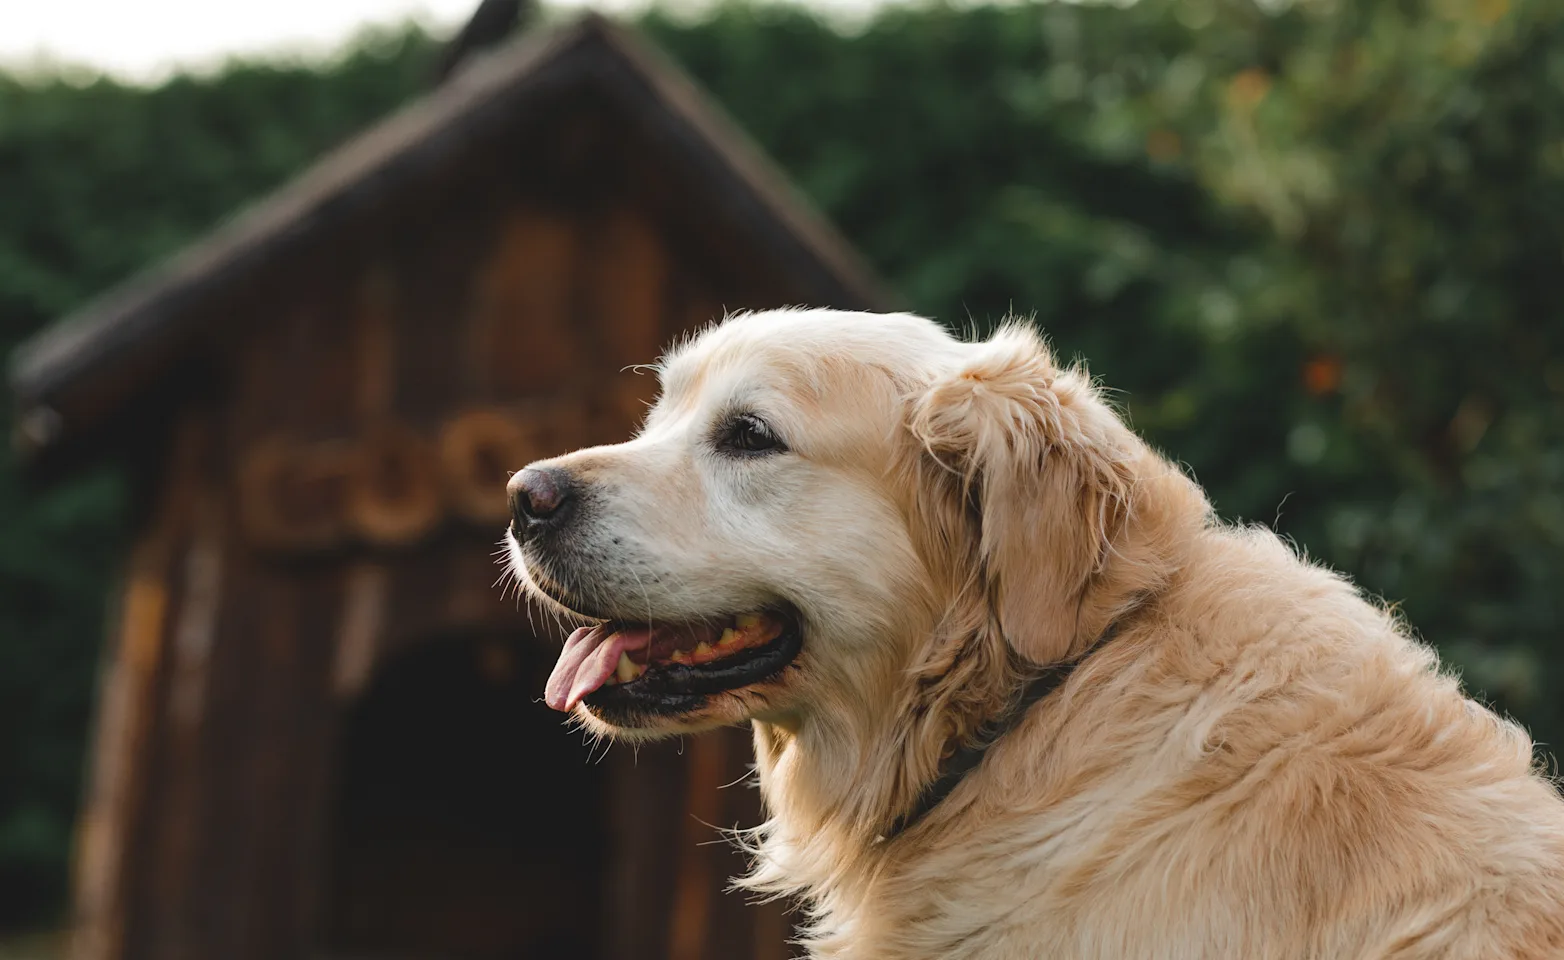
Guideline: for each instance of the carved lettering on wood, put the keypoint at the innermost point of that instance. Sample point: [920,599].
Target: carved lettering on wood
[395,496]
[292,496]
[395,485]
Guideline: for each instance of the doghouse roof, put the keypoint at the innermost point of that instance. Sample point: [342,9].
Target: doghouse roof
[75,374]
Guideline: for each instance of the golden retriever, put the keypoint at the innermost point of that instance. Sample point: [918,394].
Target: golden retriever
[865,537]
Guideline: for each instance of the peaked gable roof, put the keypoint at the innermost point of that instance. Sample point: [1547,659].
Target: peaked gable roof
[128,335]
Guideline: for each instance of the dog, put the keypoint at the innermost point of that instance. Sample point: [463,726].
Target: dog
[1015,692]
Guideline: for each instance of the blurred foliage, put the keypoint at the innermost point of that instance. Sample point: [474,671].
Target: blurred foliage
[1311,246]
[1316,248]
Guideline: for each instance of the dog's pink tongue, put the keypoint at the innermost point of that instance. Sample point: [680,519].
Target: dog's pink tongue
[588,660]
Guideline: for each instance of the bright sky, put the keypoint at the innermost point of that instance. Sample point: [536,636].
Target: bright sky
[147,39]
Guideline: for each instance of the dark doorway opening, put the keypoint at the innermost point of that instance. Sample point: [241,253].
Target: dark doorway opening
[466,824]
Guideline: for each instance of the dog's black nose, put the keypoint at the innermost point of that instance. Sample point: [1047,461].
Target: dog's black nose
[538,497]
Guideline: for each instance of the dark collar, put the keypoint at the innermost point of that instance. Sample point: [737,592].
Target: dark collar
[955,768]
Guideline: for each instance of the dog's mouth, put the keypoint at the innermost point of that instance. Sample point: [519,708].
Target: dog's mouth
[673,667]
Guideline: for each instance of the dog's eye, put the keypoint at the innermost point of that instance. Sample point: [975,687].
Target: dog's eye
[747,433]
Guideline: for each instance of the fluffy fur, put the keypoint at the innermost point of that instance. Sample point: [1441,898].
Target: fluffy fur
[1261,763]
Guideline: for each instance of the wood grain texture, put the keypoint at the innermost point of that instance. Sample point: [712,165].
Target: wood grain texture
[375,353]
[696,886]
[115,806]
[360,626]
[627,293]
[168,872]
[523,342]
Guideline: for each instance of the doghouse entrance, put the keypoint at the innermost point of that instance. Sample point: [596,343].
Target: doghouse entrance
[466,824]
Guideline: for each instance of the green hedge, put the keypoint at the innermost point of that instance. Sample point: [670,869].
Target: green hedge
[1313,248]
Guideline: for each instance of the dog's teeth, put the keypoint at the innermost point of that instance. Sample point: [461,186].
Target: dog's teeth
[702,649]
[729,637]
[747,621]
[627,669]
[679,656]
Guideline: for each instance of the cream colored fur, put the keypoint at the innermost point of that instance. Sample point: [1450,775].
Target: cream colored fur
[1261,763]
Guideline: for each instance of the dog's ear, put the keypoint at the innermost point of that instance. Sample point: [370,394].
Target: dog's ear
[1043,469]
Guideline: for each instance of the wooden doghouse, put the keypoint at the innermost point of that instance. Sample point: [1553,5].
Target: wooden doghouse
[319,730]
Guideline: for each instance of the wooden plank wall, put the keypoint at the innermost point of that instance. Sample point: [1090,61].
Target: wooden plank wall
[135,667]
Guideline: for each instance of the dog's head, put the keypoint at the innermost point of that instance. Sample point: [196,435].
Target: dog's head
[823,515]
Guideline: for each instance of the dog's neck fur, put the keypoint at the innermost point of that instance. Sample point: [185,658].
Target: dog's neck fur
[832,784]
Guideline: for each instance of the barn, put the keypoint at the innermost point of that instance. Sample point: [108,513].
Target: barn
[318,730]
